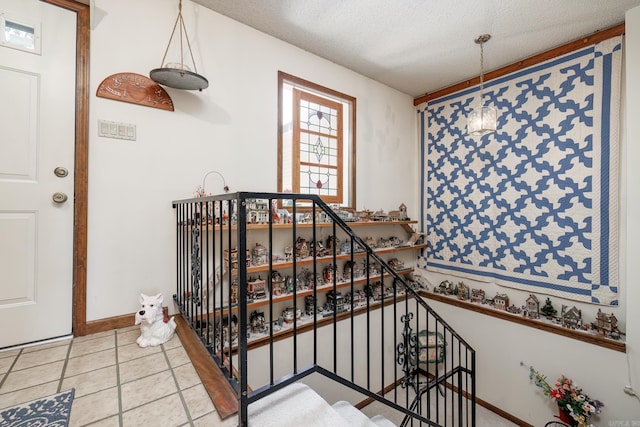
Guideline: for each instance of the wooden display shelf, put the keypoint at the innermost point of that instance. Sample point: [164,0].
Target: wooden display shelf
[406,225]
[339,257]
[307,326]
[304,293]
[583,336]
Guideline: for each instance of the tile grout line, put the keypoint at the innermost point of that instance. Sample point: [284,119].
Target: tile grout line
[120,421]
[64,367]
[6,375]
[175,380]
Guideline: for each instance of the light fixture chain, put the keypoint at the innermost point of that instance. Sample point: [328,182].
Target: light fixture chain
[481,73]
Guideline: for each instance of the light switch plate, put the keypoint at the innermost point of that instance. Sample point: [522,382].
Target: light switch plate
[116,130]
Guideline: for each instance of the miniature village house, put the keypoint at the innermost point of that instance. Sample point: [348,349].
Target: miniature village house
[335,302]
[501,301]
[477,295]
[445,288]
[532,307]
[571,317]
[606,323]
[257,211]
[259,255]
[463,291]
[257,288]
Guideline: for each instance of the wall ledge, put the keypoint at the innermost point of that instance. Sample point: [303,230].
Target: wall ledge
[583,336]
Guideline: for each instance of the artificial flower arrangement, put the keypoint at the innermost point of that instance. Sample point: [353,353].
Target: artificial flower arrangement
[570,397]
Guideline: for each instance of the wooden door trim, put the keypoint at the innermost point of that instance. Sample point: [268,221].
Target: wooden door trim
[79,322]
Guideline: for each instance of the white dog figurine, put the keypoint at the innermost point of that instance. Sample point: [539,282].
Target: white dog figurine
[154,328]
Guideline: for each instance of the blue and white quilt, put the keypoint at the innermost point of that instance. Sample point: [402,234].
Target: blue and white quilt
[533,206]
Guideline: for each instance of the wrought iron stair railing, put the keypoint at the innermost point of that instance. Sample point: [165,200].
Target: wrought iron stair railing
[379,338]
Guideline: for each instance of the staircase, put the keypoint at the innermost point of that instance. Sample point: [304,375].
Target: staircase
[298,405]
[382,338]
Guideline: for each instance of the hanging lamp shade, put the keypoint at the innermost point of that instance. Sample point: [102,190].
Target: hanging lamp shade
[177,74]
[483,119]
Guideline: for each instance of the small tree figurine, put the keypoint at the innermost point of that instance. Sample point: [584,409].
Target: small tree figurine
[548,309]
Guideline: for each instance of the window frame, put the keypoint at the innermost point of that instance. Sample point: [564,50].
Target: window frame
[349,145]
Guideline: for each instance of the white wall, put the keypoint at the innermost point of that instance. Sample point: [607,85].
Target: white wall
[230,127]
[602,373]
[632,155]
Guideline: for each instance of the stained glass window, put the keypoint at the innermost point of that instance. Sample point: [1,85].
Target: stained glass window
[316,141]
[318,152]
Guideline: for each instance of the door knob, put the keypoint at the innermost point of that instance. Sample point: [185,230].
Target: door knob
[59,197]
[60,172]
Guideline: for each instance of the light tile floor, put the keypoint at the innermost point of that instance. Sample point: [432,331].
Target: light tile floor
[117,383]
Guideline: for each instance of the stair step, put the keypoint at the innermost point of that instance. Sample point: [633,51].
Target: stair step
[352,415]
[381,421]
[357,418]
[294,406]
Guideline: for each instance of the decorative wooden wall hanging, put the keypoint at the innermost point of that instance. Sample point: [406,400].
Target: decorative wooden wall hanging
[136,89]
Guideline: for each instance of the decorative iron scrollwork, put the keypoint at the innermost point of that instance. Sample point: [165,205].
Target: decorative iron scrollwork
[407,352]
[196,265]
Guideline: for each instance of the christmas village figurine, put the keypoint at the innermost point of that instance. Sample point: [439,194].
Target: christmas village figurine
[231,259]
[288,254]
[257,322]
[548,310]
[318,248]
[289,284]
[351,268]
[571,317]
[288,315]
[396,264]
[477,295]
[400,214]
[463,291]
[395,241]
[358,299]
[302,248]
[257,211]
[256,288]
[501,302]
[310,305]
[374,268]
[335,302]
[259,255]
[532,307]
[333,242]
[514,309]
[277,283]
[233,298]
[371,242]
[445,288]
[222,329]
[607,325]
[383,243]
[328,273]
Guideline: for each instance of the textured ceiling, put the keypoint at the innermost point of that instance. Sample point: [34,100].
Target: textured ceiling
[419,46]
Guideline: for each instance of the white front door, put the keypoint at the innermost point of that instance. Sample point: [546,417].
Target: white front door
[37,122]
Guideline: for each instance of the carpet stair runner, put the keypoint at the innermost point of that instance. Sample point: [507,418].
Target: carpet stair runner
[298,405]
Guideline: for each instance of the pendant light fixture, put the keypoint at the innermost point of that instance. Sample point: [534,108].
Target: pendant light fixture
[178,75]
[482,120]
